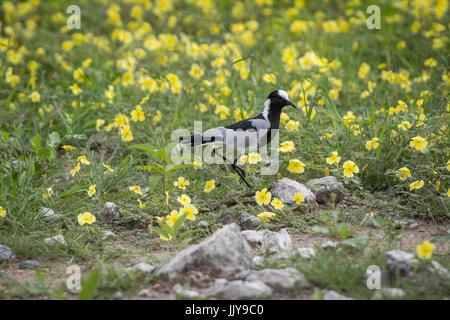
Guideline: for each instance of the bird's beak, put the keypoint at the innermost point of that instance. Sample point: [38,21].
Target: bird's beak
[292,104]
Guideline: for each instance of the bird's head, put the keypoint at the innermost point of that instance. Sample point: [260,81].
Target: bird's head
[278,99]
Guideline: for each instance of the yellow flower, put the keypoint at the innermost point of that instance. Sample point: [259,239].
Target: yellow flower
[448,192]
[405,125]
[137,114]
[372,144]
[349,117]
[75,170]
[99,124]
[334,159]
[437,185]
[76,90]
[363,70]
[181,183]
[108,167]
[35,96]
[48,194]
[209,186]
[430,62]
[83,159]
[266,216]
[298,198]
[184,199]
[263,197]
[2,212]
[296,166]
[293,126]
[191,211]
[91,191]
[425,250]
[416,185]
[286,146]
[254,158]
[86,217]
[67,147]
[197,164]
[419,143]
[136,189]
[141,204]
[350,168]
[270,78]
[172,218]
[127,134]
[196,72]
[277,204]
[448,165]
[403,173]
[110,93]
[167,197]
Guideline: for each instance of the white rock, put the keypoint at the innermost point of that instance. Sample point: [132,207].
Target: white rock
[257,261]
[306,253]
[144,293]
[388,293]
[203,223]
[329,244]
[440,270]
[108,234]
[241,290]
[185,293]
[278,243]
[47,213]
[110,212]
[142,267]
[253,237]
[225,251]
[279,279]
[325,187]
[285,189]
[333,295]
[52,240]
[117,295]
[400,262]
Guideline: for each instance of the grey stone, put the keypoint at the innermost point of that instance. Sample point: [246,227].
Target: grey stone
[249,222]
[285,189]
[29,264]
[144,293]
[325,187]
[109,213]
[329,245]
[437,268]
[226,251]
[117,295]
[413,226]
[241,290]
[52,240]
[333,295]
[306,253]
[278,243]
[203,223]
[279,279]
[400,263]
[185,293]
[253,237]
[388,293]
[257,261]
[142,267]
[47,213]
[108,234]
[227,217]
[5,253]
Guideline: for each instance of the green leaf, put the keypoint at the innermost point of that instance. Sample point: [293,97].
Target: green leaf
[53,139]
[74,190]
[149,149]
[177,225]
[317,229]
[36,142]
[90,284]
[171,167]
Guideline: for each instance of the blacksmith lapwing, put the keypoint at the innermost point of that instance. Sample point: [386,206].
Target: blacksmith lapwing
[246,135]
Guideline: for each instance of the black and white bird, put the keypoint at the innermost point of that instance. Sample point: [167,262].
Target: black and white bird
[247,135]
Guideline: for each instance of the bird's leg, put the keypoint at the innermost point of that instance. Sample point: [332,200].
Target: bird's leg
[235,169]
[240,168]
